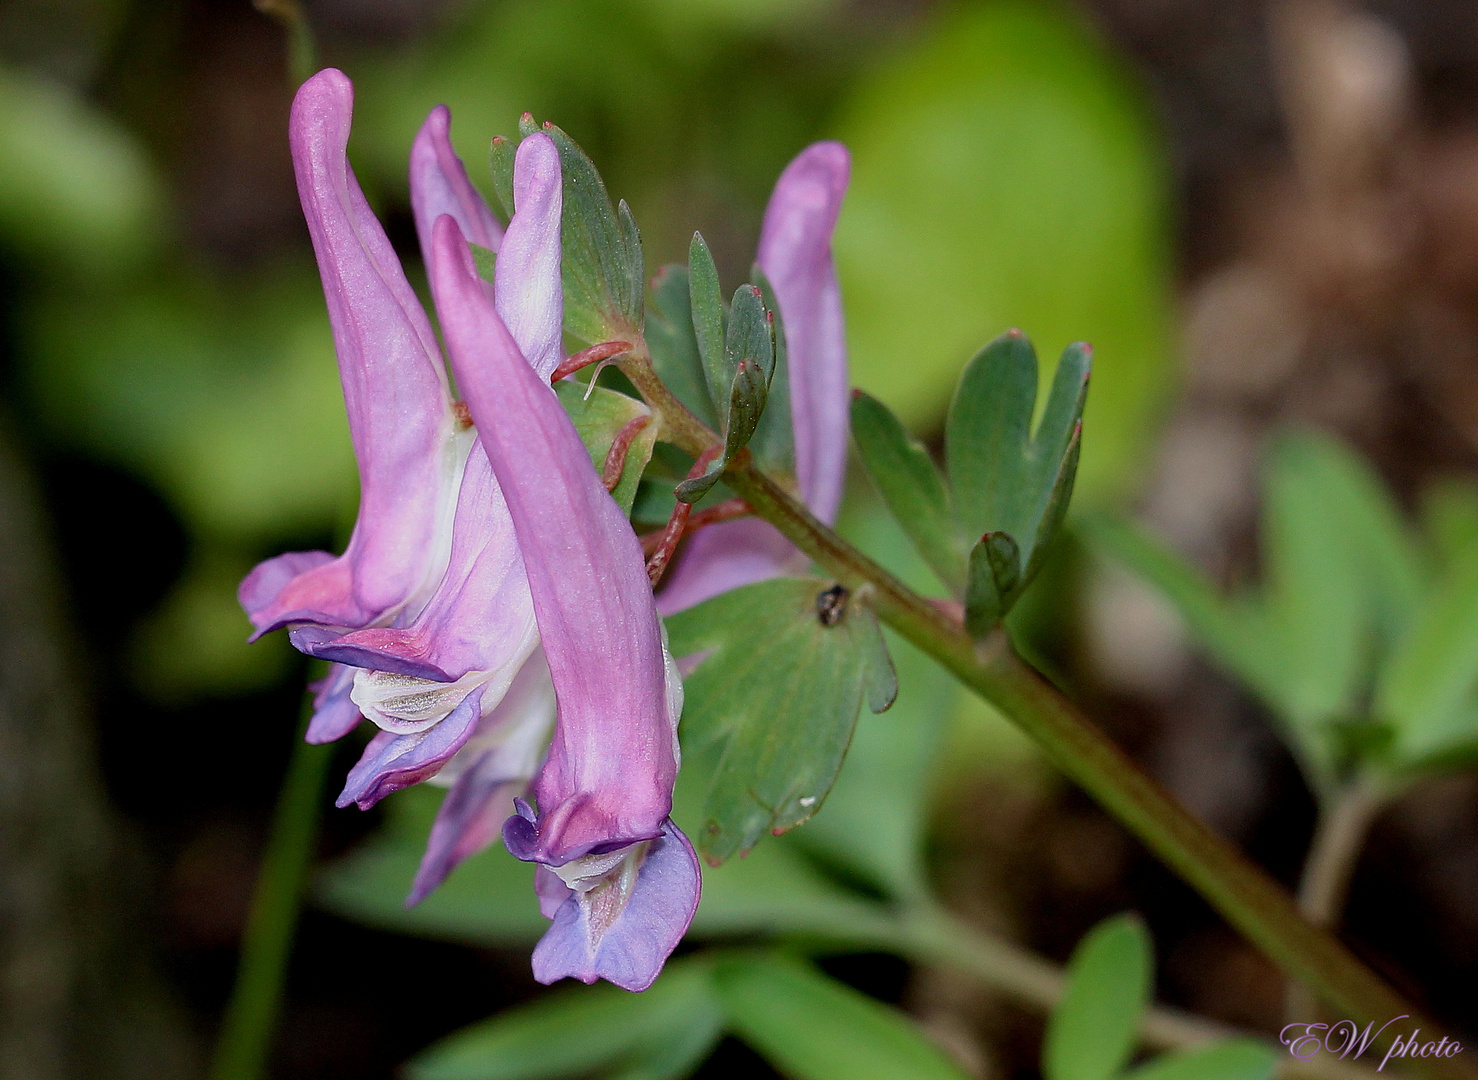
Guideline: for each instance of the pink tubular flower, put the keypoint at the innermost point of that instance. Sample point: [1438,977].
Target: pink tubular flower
[427,613]
[618,878]
[795,254]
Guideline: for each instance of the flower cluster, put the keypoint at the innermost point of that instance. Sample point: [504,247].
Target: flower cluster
[492,614]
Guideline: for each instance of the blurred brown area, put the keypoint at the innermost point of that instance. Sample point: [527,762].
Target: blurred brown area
[1327,168]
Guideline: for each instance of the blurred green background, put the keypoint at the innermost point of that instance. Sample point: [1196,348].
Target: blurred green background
[1006,173]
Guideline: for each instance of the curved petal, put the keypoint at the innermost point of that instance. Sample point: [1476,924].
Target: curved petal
[624,928]
[608,779]
[395,387]
[795,254]
[439,185]
[481,617]
[334,714]
[391,762]
[529,296]
[491,770]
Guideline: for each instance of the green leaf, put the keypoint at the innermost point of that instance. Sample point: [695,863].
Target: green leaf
[994,583]
[774,702]
[987,437]
[910,484]
[488,900]
[1231,1059]
[486,260]
[1426,690]
[1450,519]
[812,1027]
[1059,496]
[674,344]
[599,418]
[603,276]
[590,1031]
[708,319]
[877,815]
[1053,153]
[746,405]
[500,162]
[690,491]
[773,444]
[751,332]
[1318,592]
[1004,478]
[1091,1033]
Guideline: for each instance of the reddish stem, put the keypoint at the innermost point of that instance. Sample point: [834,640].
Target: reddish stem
[585,357]
[615,464]
[724,511]
[667,540]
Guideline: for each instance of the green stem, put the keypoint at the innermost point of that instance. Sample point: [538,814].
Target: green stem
[935,937]
[251,1015]
[1344,822]
[1244,895]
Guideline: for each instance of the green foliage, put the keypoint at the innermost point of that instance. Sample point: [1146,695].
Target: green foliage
[814,1028]
[488,900]
[600,415]
[1006,172]
[599,1031]
[788,665]
[1230,1059]
[808,1025]
[1008,487]
[76,191]
[1362,637]
[1092,1030]
[911,484]
[673,341]
[601,265]
[737,352]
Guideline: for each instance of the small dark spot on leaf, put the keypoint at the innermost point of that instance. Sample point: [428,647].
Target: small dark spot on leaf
[831,605]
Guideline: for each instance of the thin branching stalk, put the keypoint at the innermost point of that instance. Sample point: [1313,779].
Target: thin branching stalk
[1339,836]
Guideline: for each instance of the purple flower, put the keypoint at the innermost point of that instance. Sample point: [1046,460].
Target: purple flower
[427,615]
[795,254]
[619,879]
[400,407]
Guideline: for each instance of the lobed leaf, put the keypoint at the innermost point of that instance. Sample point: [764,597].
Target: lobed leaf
[708,319]
[601,257]
[1005,479]
[1426,690]
[674,344]
[812,1027]
[787,665]
[773,444]
[911,486]
[1092,1031]
[987,436]
[500,163]
[751,332]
